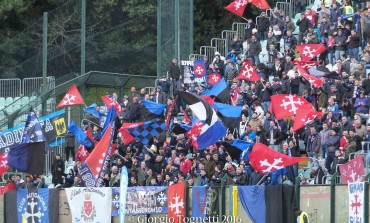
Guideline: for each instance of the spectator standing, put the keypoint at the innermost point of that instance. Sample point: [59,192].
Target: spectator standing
[57,170]
[254,49]
[303,23]
[263,24]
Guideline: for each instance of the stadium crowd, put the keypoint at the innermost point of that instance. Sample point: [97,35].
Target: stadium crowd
[343,129]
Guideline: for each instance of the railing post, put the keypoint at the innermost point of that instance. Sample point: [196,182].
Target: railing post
[366,200]
[297,191]
[332,197]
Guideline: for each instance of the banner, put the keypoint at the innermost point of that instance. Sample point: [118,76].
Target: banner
[90,204]
[356,202]
[212,208]
[199,201]
[123,198]
[38,205]
[54,125]
[115,201]
[146,200]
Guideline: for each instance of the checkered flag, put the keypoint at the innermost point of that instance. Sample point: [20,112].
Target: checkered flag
[147,131]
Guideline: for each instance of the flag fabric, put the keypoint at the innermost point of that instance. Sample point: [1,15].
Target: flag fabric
[4,162]
[248,72]
[145,132]
[353,171]
[169,112]
[90,204]
[306,64]
[92,110]
[209,99]
[186,117]
[111,103]
[212,128]
[7,187]
[152,110]
[199,68]
[127,137]
[111,117]
[237,7]
[214,78]
[194,132]
[25,156]
[319,71]
[176,202]
[37,205]
[236,148]
[279,201]
[115,201]
[252,199]
[333,75]
[310,51]
[28,157]
[356,198]
[72,97]
[79,134]
[230,115]
[199,201]
[220,91]
[314,81]
[266,160]
[286,105]
[305,117]
[82,153]
[96,165]
[123,194]
[261,4]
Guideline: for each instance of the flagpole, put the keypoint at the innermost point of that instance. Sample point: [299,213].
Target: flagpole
[244,18]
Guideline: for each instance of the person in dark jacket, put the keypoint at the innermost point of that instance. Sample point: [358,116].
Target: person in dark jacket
[165,84]
[254,49]
[263,24]
[340,45]
[332,145]
[174,71]
[57,170]
[236,46]
[353,43]
[248,29]
[70,145]
[159,96]
[303,23]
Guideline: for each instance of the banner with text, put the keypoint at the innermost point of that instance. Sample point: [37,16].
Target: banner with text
[146,200]
[356,202]
[53,125]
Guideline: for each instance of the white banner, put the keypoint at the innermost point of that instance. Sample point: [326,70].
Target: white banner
[90,204]
[356,202]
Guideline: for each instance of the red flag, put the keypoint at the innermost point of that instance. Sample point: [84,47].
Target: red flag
[4,162]
[109,102]
[90,135]
[305,117]
[214,78]
[176,202]
[82,153]
[266,160]
[237,7]
[310,51]
[306,64]
[209,99]
[168,118]
[72,97]
[314,81]
[285,105]
[248,72]
[353,171]
[261,4]
[7,187]
[127,136]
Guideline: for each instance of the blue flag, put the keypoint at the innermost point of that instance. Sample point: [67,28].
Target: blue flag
[230,115]
[199,68]
[147,131]
[199,201]
[92,110]
[220,91]
[110,117]
[152,110]
[79,134]
[253,202]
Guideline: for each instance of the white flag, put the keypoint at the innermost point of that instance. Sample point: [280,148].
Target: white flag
[90,204]
[356,201]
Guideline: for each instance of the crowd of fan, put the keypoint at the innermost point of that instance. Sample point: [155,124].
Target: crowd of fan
[344,127]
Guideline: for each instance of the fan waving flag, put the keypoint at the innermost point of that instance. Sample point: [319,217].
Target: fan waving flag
[261,4]
[237,7]
[248,72]
[199,68]
[266,160]
[72,97]
[176,202]
[230,115]
[153,110]
[145,132]
[79,134]
[310,51]
[96,165]
[212,128]
[353,171]
[305,117]
[285,105]
[306,64]
[314,81]
[109,102]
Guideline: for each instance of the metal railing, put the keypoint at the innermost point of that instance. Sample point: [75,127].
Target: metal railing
[220,45]
[10,87]
[240,29]
[208,51]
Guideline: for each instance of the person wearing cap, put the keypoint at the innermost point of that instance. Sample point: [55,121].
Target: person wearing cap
[302,217]
[57,170]
[332,145]
[263,24]
[218,65]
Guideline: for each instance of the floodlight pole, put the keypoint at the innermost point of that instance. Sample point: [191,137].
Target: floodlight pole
[83,37]
[159,39]
[44,60]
